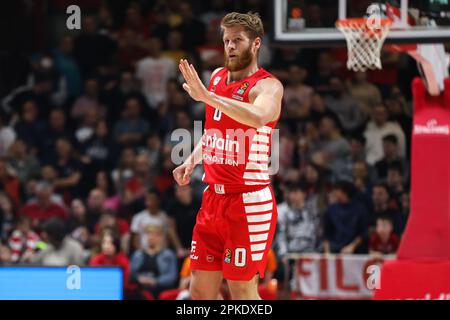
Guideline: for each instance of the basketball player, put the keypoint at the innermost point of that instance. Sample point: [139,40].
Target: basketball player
[237,219]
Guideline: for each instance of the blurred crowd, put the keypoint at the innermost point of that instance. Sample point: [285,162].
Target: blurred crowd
[85,145]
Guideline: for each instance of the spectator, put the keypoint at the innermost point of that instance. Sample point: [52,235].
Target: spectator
[298,223]
[181,120]
[338,100]
[58,127]
[38,93]
[384,240]
[5,255]
[174,47]
[161,26]
[192,29]
[91,48]
[29,127]
[136,186]
[69,170]
[24,163]
[90,100]
[7,136]
[43,208]
[10,184]
[324,71]
[211,52]
[109,221]
[116,96]
[164,181]
[43,65]
[400,112]
[362,180]
[105,183]
[23,241]
[132,37]
[154,268]
[396,183]
[95,202]
[364,92]
[297,96]
[318,108]
[217,9]
[153,215]
[384,205]
[357,148]
[345,222]
[334,149]
[124,170]
[61,250]
[154,72]
[183,214]
[77,222]
[153,149]
[317,183]
[378,128]
[67,66]
[98,153]
[7,216]
[111,254]
[130,131]
[391,157]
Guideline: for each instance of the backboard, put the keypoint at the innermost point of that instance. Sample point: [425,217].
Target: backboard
[312,22]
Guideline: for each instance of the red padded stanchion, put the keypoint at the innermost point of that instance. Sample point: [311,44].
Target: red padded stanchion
[422,268]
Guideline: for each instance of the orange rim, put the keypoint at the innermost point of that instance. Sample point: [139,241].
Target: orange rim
[351,22]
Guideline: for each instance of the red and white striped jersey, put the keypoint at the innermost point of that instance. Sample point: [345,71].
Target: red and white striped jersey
[20,243]
[234,154]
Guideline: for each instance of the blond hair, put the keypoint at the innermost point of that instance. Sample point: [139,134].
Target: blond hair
[250,21]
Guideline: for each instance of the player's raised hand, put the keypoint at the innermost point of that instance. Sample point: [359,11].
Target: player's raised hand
[193,84]
[182,174]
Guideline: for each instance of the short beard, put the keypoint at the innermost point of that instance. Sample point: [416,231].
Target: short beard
[242,62]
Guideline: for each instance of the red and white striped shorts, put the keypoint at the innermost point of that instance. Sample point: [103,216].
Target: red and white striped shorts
[234,232]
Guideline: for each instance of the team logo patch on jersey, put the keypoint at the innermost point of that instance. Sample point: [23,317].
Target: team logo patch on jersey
[242,88]
[227,256]
[216,80]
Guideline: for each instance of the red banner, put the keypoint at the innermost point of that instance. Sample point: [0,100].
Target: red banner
[320,276]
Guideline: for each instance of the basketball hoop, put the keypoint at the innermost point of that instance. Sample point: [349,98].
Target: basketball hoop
[364,41]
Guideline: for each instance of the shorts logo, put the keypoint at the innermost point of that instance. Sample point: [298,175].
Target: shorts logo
[242,88]
[227,256]
[193,246]
[209,258]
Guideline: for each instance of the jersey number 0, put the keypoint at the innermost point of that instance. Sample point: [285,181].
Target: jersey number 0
[217,115]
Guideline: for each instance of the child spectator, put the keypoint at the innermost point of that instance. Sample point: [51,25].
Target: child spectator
[384,240]
[111,254]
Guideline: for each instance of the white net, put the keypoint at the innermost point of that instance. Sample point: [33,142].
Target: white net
[364,42]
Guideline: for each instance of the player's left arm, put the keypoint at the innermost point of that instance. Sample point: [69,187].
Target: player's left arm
[265,99]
